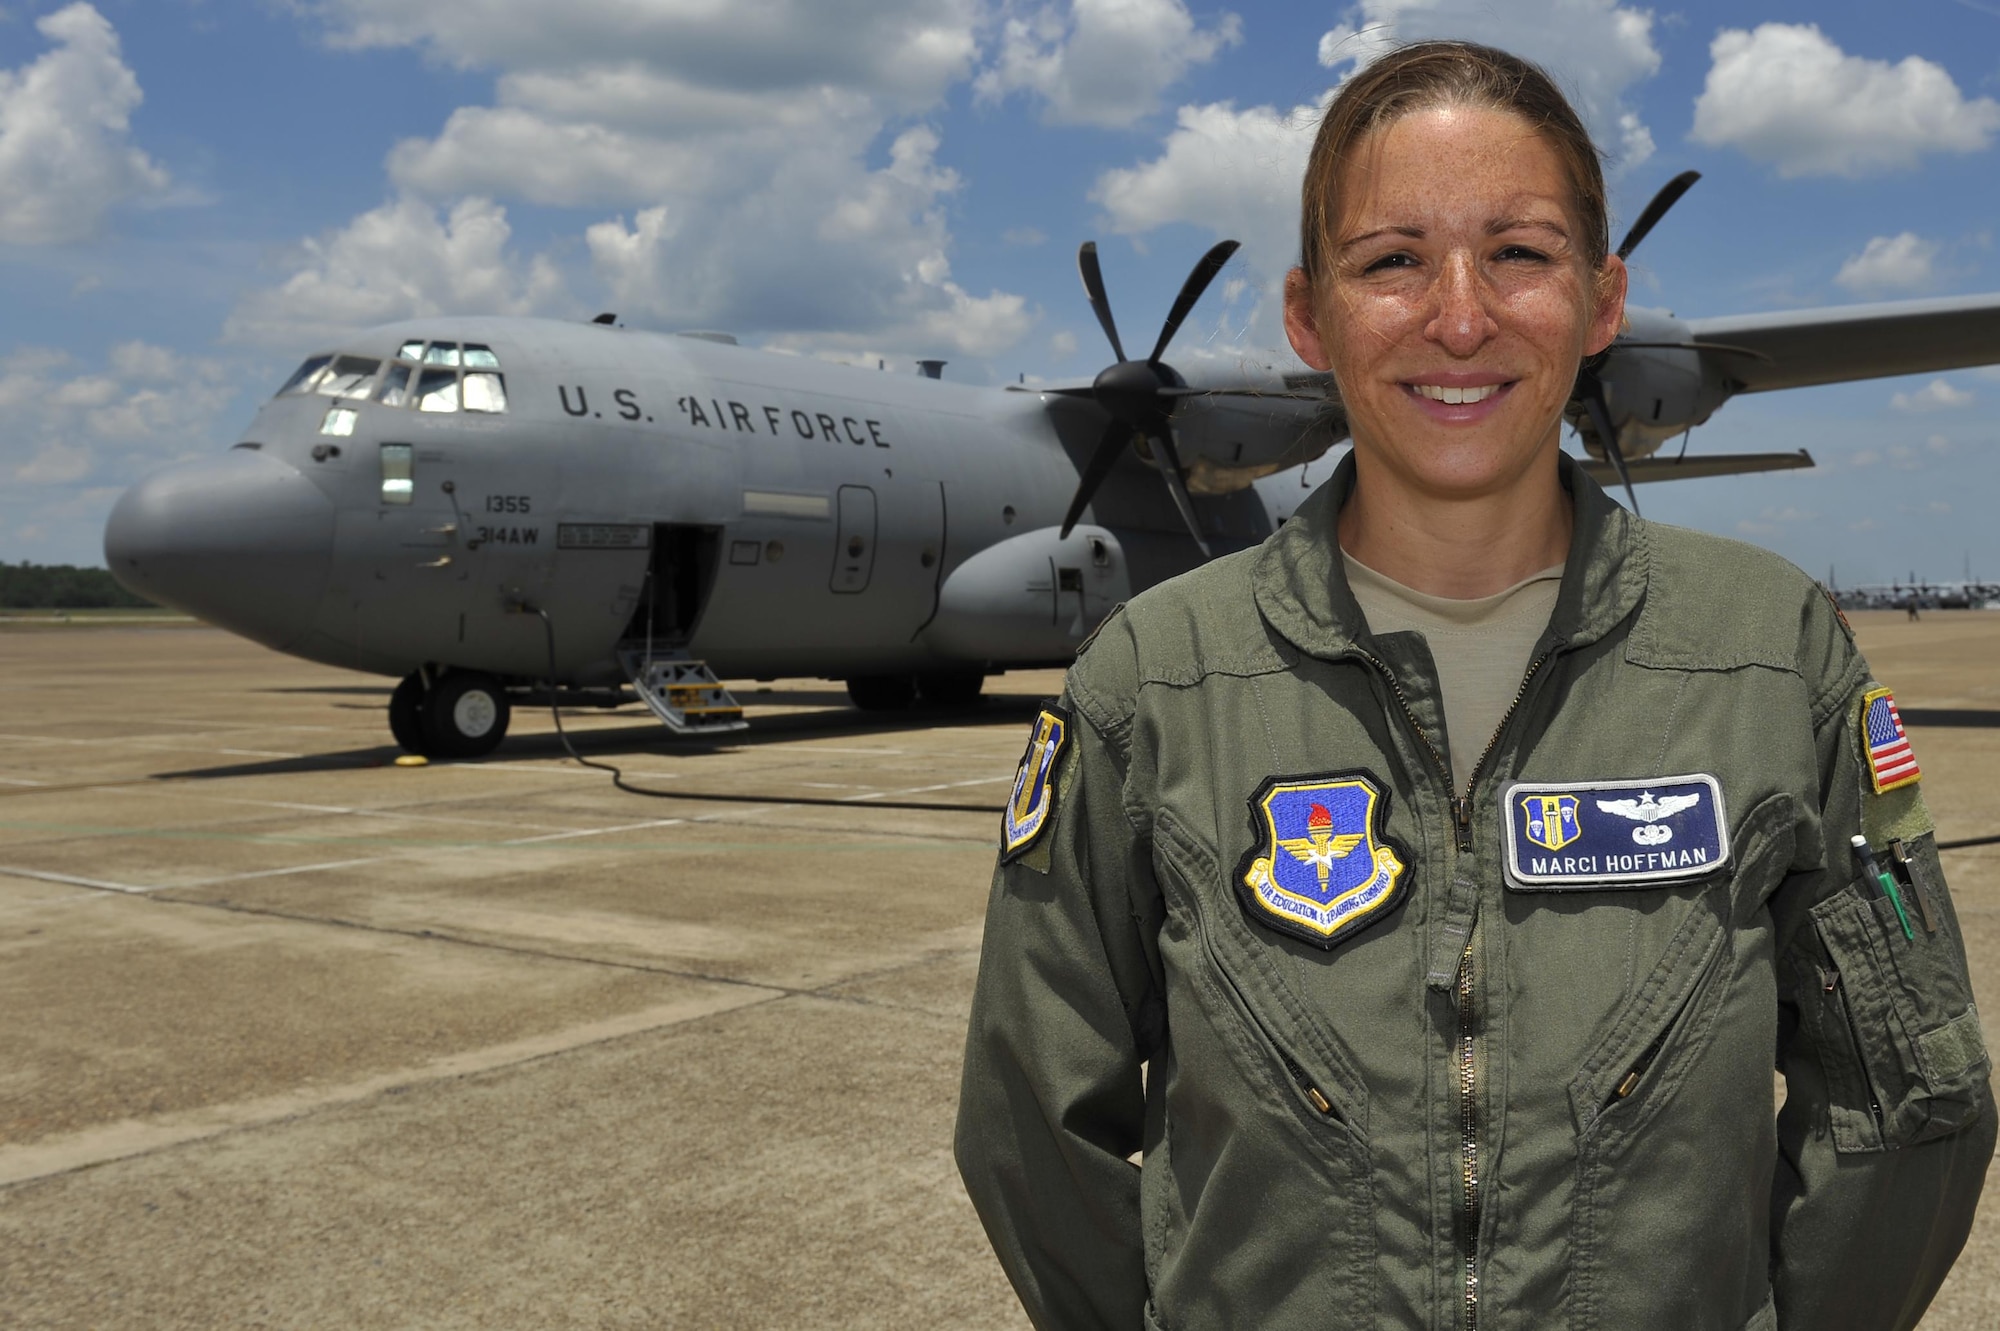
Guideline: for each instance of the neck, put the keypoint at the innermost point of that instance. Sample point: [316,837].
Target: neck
[1459,547]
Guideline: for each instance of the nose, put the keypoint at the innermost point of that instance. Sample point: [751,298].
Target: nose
[1462,322]
[242,541]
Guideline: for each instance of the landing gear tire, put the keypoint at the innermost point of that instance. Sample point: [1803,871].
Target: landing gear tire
[465,716]
[406,714]
[882,693]
[953,688]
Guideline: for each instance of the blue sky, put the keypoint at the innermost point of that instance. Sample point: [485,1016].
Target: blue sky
[193,193]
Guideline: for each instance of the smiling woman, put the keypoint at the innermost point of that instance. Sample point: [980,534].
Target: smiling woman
[1422,895]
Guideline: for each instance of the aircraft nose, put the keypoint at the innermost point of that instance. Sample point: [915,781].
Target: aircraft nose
[242,541]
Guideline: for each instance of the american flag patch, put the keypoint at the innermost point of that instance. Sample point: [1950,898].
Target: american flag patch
[1891,764]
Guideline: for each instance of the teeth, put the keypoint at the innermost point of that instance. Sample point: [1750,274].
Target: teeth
[1454,396]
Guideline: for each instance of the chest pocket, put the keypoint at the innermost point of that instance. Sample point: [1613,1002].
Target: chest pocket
[1896,1025]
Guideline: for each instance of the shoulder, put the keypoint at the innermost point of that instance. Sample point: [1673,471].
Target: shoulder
[1176,634]
[1719,604]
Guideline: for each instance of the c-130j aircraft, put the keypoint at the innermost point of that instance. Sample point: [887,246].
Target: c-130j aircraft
[498,510]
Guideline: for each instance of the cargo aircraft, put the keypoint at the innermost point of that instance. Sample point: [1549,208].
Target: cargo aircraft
[494,510]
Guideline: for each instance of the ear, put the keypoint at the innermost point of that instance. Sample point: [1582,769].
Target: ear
[1609,317]
[1301,322]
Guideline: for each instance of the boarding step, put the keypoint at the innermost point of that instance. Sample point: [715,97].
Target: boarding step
[684,694]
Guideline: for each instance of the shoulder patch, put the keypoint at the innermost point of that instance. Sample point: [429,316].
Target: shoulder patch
[1594,836]
[1031,806]
[1320,866]
[1891,764]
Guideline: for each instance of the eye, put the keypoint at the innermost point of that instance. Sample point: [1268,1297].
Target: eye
[1522,253]
[1400,259]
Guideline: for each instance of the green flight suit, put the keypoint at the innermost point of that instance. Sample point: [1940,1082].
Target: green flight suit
[1483,1105]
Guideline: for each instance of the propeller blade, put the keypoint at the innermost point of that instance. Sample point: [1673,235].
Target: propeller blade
[1600,420]
[1176,487]
[1670,194]
[1109,447]
[1197,282]
[1093,287]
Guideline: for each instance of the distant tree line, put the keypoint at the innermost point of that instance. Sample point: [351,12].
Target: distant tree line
[27,586]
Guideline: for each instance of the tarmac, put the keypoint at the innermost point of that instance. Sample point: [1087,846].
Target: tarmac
[294,1037]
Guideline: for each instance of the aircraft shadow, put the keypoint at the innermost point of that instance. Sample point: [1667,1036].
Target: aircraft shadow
[646,737]
[1973,717]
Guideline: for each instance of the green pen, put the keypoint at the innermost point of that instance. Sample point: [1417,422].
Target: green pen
[1873,868]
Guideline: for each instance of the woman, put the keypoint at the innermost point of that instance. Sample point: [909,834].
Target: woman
[1420,1028]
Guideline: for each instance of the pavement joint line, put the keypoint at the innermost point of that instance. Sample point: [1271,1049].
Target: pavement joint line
[258,753]
[593,831]
[71,880]
[284,872]
[285,1109]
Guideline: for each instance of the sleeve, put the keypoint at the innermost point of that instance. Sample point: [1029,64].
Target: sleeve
[1064,1014]
[1887,1128]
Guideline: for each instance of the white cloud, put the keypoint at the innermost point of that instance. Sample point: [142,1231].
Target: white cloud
[740,144]
[873,270]
[1107,62]
[1902,262]
[1234,172]
[1937,395]
[1596,50]
[400,261]
[905,51]
[1786,95]
[67,423]
[66,156]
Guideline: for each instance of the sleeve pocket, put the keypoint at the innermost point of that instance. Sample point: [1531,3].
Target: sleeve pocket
[1899,1036]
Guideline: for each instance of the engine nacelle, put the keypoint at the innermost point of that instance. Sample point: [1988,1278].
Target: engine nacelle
[1226,442]
[1033,598]
[1656,392]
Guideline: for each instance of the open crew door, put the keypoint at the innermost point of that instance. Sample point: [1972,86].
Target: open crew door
[679,581]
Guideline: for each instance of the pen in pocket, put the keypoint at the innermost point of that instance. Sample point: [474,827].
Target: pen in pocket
[1873,868]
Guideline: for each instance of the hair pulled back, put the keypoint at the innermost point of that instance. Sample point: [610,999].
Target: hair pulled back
[1428,75]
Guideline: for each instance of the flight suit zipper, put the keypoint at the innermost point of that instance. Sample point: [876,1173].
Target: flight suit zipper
[1465,1049]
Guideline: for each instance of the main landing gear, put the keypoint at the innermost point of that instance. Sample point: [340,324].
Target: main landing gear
[894,693]
[452,714]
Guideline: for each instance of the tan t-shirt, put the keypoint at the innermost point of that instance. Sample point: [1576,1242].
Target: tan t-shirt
[1482,647]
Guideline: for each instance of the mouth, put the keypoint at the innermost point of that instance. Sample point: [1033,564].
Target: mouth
[1460,401]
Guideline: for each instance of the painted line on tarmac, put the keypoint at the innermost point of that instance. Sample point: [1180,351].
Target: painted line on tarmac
[72,880]
[123,1141]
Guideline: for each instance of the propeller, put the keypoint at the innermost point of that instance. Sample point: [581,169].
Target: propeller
[1589,383]
[1139,395]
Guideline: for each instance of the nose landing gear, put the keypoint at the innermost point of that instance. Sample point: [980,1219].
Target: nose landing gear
[458,714]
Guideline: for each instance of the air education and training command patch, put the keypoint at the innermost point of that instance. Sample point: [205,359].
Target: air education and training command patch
[1319,866]
[1594,836]
[1030,807]
[1891,763]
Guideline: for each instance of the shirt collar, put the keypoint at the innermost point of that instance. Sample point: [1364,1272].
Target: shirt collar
[1301,588]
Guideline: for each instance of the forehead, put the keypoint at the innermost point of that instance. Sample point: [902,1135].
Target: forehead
[1446,162]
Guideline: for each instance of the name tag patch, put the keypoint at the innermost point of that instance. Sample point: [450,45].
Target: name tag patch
[1598,835]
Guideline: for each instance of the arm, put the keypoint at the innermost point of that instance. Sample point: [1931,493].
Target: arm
[1065,1012]
[1887,1127]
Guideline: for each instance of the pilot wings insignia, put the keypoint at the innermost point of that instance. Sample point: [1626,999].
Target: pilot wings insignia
[1646,809]
[1647,812]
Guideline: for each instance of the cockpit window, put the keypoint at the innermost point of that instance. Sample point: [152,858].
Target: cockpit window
[399,466]
[348,376]
[395,389]
[485,392]
[305,376]
[437,390]
[436,377]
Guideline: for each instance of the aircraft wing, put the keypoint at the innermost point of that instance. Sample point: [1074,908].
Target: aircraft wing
[1797,348]
[1690,468]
